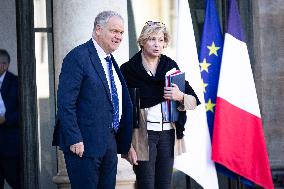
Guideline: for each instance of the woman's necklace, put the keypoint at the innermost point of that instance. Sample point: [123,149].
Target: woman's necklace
[150,67]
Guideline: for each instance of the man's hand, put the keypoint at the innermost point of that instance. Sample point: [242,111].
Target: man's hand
[2,119]
[132,156]
[77,148]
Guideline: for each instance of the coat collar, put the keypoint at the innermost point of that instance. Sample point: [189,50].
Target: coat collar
[5,84]
[98,66]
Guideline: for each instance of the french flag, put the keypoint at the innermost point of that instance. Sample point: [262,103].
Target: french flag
[238,139]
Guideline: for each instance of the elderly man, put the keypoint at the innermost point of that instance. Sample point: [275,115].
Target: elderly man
[94,107]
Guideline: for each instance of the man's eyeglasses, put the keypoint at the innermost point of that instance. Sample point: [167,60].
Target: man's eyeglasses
[151,23]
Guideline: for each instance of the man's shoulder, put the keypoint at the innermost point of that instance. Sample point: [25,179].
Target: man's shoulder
[11,76]
[79,50]
[11,79]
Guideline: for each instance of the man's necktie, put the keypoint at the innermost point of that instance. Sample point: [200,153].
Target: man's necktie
[114,96]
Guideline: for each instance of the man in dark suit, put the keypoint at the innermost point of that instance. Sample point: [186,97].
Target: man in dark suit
[94,107]
[9,125]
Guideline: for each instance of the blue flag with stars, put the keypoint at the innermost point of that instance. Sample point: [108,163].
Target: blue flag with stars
[210,59]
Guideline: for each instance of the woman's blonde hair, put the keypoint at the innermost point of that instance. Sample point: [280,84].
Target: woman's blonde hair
[151,28]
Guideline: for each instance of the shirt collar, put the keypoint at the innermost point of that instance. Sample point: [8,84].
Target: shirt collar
[99,49]
[2,77]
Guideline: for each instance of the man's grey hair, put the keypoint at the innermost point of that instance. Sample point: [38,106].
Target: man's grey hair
[103,17]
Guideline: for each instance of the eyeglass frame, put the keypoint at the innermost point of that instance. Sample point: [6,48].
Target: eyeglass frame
[151,23]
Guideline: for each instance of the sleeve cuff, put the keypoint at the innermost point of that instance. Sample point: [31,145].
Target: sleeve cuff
[189,103]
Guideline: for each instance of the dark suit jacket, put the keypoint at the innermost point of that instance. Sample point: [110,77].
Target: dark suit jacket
[84,104]
[9,130]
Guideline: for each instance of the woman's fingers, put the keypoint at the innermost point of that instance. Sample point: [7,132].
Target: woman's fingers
[173,93]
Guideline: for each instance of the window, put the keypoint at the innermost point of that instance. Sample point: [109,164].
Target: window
[45,89]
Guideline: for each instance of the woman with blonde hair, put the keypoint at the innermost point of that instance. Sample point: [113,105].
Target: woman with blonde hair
[152,150]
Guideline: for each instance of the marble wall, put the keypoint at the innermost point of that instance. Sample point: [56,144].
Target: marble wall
[268,45]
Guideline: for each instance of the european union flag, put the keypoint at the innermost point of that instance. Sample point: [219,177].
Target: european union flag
[210,59]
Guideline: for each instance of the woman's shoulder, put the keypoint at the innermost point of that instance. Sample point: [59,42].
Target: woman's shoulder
[133,59]
[132,65]
[168,60]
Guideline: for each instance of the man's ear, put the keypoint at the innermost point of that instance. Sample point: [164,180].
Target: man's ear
[98,30]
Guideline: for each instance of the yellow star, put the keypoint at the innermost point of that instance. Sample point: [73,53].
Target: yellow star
[209,106]
[213,49]
[204,85]
[204,66]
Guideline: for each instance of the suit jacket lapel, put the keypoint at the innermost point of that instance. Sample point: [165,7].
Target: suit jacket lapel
[98,66]
[4,86]
[122,81]
[117,70]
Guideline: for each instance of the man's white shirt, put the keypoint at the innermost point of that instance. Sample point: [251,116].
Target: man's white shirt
[102,56]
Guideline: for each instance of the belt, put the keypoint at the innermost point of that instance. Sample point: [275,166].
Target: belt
[158,122]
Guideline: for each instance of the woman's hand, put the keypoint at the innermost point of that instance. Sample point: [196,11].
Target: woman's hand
[173,93]
[131,157]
